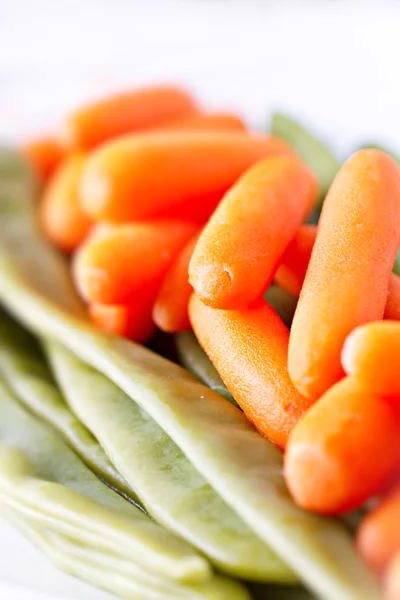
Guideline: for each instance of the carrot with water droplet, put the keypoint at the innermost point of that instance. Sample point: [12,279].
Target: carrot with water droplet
[378,537]
[240,247]
[249,350]
[170,311]
[348,275]
[122,261]
[344,450]
[136,110]
[61,215]
[139,177]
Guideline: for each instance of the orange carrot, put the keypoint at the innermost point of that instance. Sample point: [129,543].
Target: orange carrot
[348,276]
[136,110]
[249,350]
[45,154]
[240,247]
[133,321]
[207,121]
[62,218]
[196,212]
[141,176]
[170,311]
[372,354]
[378,537]
[344,450]
[392,308]
[294,262]
[392,579]
[122,261]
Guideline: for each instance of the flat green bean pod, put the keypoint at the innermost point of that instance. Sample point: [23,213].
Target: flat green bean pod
[118,576]
[171,489]
[41,477]
[242,466]
[23,367]
[192,356]
[312,151]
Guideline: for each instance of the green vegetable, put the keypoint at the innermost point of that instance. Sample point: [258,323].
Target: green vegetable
[263,592]
[23,367]
[43,480]
[120,577]
[242,466]
[312,151]
[172,491]
[281,301]
[195,360]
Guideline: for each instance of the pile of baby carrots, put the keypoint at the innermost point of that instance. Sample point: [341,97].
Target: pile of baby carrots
[178,218]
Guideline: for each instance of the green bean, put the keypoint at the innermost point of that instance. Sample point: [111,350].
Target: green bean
[242,466]
[312,151]
[120,577]
[281,301]
[23,367]
[46,481]
[195,360]
[172,491]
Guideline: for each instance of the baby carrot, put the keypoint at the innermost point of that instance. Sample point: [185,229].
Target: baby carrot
[344,450]
[44,154]
[392,579]
[294,262]
[133,321]
[372,354]
[378,537]
[249,350]
[207,121]
[196,212]
[348,276]
[392,308]
[170,311]
[121,261]
[62,218]
[136,110]
[141,176]
[240,247]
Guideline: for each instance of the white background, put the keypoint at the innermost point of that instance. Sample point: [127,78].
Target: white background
[336,64]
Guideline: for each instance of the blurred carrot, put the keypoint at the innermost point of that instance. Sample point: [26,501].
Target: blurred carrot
[372,354]
[44,154]
[133,321]
[344,450]
[198,211]
[348,276]
[392,308]
[141,176]
[207,121]
[170,311]
[62,218]
[294,262]
[378,537]
[112,267]
[240,247]
[392,579]
[249,350]
[136,110]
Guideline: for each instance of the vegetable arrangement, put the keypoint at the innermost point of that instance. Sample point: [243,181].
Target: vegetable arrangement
[234,481]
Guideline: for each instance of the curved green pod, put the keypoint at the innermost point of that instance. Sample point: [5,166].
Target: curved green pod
[195,360]
[23,367]
[118,576]
[313,152]
[45,480]
[243,467]
[171,489]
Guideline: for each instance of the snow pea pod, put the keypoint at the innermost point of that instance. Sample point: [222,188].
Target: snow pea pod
[192,356]
[23,367]
[43,478]
[171,489]
[243,467]
[118,576]
[312,151]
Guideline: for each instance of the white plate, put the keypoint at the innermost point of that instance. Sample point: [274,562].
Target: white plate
[333,63]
